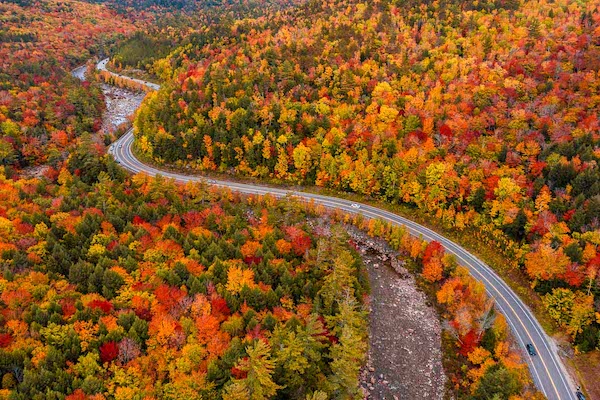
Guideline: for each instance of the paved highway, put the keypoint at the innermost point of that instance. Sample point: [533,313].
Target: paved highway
[547,369]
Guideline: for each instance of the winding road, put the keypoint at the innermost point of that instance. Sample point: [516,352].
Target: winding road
[548,371]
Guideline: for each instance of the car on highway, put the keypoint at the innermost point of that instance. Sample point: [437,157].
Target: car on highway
[212,181]
[530,349]
[580,395]
[354,205]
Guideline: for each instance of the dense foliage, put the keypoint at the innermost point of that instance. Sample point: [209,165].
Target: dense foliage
[116,287]
[484,115]
[124,288]
[480,361]
[141,50]
[193,6]
[200,24]
[42,107]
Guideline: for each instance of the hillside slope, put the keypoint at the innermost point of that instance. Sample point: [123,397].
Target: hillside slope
[483,116]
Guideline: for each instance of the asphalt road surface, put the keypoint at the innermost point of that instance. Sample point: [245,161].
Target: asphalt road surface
[547,369]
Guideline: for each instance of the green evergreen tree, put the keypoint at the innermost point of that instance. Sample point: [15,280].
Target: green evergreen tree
[259,366]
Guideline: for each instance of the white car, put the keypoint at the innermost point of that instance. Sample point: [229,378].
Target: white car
[354,205]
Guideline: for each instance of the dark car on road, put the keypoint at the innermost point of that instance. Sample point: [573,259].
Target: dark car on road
[530,349]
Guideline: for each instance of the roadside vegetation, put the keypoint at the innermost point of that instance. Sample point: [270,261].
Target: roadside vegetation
[114,285]
[480,119]
[117,286]
[461,113]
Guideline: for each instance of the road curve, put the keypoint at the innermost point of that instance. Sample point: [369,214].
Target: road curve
[101,66]
[547,370]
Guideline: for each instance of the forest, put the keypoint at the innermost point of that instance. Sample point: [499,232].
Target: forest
[43,109]
[463,113]
[481,116]
[114,287]
[121,287]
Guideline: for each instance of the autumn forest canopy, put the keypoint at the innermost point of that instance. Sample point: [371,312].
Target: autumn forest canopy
[115,286]
[483,116]
[480,118]
[140,287]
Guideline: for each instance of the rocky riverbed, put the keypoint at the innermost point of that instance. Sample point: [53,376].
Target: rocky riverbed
[120,103]
[120,106]
[405,356]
